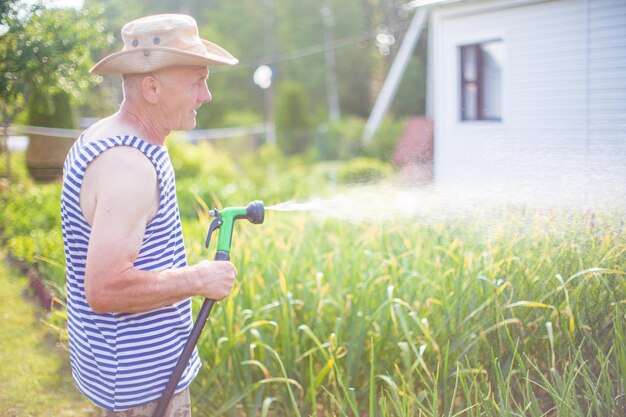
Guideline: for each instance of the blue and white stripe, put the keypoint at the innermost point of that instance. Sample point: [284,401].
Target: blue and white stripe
[120,361]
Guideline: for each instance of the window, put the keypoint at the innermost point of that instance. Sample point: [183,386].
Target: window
[481,80]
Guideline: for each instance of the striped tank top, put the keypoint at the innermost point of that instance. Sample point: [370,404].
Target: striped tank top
[120,361]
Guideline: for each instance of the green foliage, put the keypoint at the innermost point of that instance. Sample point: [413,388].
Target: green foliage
[291,36]
[293,119]
[48,49]
[34,372]
[19,172]
[31,229]
[343,138]
[51,110]
[202,172]
[401,318]
[364,170]
[27,207]
[385,140]
[6,8]
[200,161]
[492,312]
[220,180]
[343,141]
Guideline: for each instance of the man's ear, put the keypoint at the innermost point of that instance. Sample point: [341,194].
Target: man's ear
[151,89]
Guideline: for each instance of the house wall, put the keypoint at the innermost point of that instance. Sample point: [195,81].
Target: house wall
[564,94]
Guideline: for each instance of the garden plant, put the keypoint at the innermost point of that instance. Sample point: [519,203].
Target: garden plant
[504,311]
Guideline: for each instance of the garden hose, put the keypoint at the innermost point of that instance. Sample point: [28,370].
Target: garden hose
[224,220]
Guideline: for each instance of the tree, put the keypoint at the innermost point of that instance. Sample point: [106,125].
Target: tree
[47,50]
[11,60]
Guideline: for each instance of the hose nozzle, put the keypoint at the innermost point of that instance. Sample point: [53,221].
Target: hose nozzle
[255,212]
[224,219]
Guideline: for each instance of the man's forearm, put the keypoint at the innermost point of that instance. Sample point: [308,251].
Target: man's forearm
[134,290]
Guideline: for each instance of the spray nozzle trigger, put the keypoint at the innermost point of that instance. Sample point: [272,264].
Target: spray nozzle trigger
[215,224]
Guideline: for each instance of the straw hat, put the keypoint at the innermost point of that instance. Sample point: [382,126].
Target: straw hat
[160,41]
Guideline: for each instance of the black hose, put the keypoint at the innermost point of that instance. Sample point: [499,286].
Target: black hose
[198,326]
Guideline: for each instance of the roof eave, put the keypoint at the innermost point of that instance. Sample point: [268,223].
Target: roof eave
[426,3]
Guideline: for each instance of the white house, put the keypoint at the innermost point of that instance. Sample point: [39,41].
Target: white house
[527,92]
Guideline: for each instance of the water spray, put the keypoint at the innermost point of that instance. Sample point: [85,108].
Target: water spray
[223,221]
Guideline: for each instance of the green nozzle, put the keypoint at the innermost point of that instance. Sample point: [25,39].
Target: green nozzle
[225,218]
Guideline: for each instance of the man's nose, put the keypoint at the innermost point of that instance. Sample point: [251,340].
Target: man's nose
[205,95]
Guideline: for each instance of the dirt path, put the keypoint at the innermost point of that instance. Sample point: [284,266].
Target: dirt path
[35,378]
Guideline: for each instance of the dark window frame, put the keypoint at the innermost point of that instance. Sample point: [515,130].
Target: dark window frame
[475,48]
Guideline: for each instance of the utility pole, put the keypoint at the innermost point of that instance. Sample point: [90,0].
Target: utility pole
[332,95]
[268,92]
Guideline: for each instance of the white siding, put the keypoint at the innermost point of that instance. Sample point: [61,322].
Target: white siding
[607,67]
[607,85]
[564,93]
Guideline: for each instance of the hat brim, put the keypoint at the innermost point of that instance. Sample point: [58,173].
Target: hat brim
[144,60]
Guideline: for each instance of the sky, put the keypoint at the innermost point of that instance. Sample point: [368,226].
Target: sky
[60,3]
[66,3]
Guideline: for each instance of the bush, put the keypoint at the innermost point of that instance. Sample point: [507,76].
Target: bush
[203,173]
[31,229]
[200,160]
[384,141]
[364,170]
[343,139]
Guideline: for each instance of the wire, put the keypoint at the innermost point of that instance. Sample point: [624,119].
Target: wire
[191,135]
[309,50]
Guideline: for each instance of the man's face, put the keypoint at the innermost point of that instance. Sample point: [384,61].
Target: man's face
[183,90]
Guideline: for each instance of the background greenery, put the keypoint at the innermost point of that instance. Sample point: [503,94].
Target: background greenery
[47,52]
[34,372]
[498,311]
[289,35]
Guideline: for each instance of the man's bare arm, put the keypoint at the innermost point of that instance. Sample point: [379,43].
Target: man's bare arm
[120,189]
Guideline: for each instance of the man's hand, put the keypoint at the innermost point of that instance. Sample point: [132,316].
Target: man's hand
[216,278]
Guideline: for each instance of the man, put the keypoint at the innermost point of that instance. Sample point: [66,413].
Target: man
[128,283]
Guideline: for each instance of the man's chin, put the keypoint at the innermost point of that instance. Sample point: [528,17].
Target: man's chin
[189,125]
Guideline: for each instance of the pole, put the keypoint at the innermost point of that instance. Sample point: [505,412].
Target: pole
[390,86]
[332,95]
[270,48]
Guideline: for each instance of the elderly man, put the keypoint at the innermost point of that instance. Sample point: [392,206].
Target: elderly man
[128,282]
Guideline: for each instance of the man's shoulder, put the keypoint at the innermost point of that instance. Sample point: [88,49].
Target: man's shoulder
[116,157]
[124,161]
[102,129]
[108,127]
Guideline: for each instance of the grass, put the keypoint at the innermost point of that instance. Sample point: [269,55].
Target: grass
[34,373]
